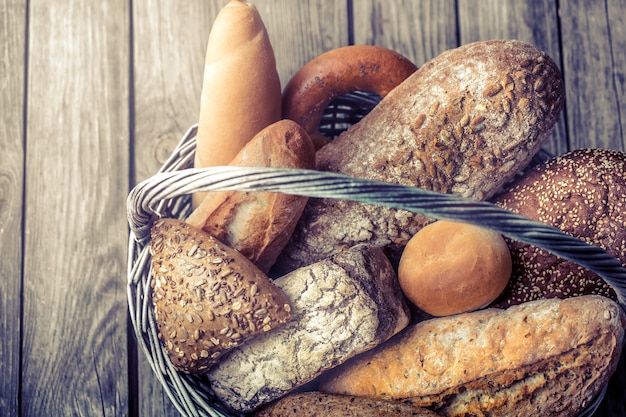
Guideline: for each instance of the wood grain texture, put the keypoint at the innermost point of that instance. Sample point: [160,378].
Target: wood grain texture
[420,30]
[74,301]
[534,22]
[594,61]
[12,68]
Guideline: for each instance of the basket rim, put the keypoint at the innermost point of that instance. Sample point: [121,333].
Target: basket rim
[167,194]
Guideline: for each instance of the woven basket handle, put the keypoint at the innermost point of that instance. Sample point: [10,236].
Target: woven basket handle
[176,179]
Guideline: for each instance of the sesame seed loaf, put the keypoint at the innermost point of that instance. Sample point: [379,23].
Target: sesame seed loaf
[207,297]
[465,122]
[315,404]
[582,193]
[342,306]
[541,358]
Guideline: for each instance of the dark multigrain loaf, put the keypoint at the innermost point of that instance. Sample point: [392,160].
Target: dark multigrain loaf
[318,404]
[463,123]
[342,306]
[583,193]
[541,358]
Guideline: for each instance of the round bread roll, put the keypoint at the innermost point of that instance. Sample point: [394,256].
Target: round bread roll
[449,268]
[581,193]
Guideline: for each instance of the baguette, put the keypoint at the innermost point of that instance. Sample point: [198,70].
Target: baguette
[463,123]
[259,224]
[241,92]
[545,357]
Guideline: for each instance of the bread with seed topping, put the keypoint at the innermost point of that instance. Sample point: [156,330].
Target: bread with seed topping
[464,123]
[207,297]
[581,193]
[541,358]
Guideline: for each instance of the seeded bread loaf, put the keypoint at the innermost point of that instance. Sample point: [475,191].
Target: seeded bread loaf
[545,357]
[316,404]
[464,123]
[342,306]
[207,297]
[582,193]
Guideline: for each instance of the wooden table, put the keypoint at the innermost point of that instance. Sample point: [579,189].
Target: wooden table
[96,93]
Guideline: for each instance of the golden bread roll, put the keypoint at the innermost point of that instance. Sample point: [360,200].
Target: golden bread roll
[464,123]
[259,224]
[449,268]
[241,92]
[207,297]
[544,357]
[581,193]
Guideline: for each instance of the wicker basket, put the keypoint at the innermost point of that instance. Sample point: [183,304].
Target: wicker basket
[167,194]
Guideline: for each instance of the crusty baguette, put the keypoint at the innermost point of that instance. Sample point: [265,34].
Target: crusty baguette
[342,306]
[259,224]
[545,357]
[207,296]
[241,92]
[464,123]
[582,193]
[318,404]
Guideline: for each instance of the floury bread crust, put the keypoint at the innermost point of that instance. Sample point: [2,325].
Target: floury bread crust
[463,123]
[342,306]
[581,193]
[545,357]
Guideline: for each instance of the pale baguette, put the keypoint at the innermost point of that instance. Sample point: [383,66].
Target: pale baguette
[241,92]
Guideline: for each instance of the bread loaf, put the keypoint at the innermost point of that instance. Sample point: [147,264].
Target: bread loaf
[545,357]
[259,224]
[241,92]
[316,404]
[207,297]
[342,306]
[464,123]
[582,193]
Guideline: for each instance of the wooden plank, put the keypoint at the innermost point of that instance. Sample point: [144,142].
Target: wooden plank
[12,68]
[594,60]
[300,33]
[169,45]
[75,316]
[420,30]
[533,22]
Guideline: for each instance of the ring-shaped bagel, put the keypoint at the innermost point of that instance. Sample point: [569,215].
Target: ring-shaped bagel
[337,72]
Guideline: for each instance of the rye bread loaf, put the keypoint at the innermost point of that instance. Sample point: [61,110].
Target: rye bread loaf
[315,404]
[545,357]
[464,123]
[581,193]
[341,307]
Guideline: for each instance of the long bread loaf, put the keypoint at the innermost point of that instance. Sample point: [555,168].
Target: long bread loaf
[545,357]
[341,307]
[464,123]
